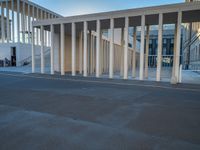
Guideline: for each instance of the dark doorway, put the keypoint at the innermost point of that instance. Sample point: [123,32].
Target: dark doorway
[13,56]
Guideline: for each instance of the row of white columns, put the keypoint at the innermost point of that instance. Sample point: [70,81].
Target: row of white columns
[143,66]
[25,23]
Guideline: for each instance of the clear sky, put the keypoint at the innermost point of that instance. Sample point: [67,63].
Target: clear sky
[77,7]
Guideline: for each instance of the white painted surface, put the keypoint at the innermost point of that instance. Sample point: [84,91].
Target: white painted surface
[142,48]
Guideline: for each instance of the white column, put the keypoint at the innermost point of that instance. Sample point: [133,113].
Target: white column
[29,24]
[111,60]
[142,47]
[45,32]
[122,53]
[33,51]
[33,15]
[2,23]
[91,52]
[173,79]
[85,49]
[62,39]
[52,49]
[7,22]
[49,35]
[159,53]
[178,46]
[13,25]
[126,35]
[73,49]
[81,52]
[134,52]
[18,23]
[42,49]
[23,23]
[98,42]
[37,30]
[147,53]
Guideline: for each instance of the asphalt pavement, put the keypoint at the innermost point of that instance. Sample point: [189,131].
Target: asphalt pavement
[44,112]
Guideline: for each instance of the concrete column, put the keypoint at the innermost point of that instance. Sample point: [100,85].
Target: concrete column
[147,53]
[111,59]
[29,23]
[101,48]
[42,49]
[41,17]
[91,52]
[33,15]
[134,52]
[62,39]
[98,42]
[33,51]
[159,53]
[81,52]
[73,49]
[49,35]
[23,23]
[178,46]
[142,47]
[2,23]
[85,49]
[126,35]
[7,22]
[37,30]
[45,32]
[173,80]
[122,53]
[13,25]
[18,23]
[52,49]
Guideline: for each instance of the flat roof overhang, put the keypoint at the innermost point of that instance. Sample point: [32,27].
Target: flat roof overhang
[190,13]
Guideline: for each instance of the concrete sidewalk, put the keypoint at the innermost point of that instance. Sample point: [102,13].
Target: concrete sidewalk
[188,76]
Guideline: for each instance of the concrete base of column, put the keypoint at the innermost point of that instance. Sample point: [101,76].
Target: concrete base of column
[173,80]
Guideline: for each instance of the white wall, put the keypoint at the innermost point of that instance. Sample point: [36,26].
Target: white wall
[23,51]
[5,51]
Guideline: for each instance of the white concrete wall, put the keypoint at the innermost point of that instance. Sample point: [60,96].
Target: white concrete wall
[5,51]
[23,51]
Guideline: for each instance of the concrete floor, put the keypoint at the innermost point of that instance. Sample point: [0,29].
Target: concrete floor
[43,112]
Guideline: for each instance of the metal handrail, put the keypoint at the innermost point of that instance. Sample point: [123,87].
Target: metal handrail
[29,59]
[193,39]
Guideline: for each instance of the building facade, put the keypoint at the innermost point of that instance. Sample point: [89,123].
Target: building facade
[191,45]
[168,46]
[16,29]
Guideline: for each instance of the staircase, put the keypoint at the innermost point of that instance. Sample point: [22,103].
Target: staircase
[27,61]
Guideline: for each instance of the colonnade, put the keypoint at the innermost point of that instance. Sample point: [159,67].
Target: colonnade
[16,21]
[110,57]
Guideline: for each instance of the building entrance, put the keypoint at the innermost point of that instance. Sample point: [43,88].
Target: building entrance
[13,56]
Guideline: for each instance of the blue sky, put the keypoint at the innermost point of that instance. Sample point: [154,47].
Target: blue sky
[77,7]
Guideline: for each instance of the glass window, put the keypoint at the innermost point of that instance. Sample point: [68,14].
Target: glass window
[172,41]
[164,51]
[165,41]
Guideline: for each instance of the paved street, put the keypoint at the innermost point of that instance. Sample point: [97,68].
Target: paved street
[43,112]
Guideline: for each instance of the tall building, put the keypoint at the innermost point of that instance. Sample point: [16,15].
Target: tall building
[191,45]
[16,18]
